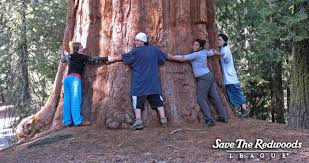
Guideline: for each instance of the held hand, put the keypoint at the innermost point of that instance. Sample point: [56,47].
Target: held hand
[169,56]
[112,59]
[217,52]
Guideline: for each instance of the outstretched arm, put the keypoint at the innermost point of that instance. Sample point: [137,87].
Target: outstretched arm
[95,59]
[177,58]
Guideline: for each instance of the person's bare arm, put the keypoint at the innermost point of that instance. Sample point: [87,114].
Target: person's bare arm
[178,58]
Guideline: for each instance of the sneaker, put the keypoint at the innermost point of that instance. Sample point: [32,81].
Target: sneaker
[209,124]
[163,122]
[221,119]
[244,113]
[138,125]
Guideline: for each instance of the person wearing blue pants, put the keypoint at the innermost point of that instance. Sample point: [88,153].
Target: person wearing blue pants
[73,84]
[231,82]
[72,100]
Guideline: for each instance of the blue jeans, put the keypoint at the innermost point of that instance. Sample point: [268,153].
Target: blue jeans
[72,101]
[235,94]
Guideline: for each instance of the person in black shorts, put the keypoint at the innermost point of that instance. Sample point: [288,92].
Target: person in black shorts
[144,61]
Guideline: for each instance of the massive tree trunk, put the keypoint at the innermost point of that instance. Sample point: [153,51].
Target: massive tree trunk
[108,27]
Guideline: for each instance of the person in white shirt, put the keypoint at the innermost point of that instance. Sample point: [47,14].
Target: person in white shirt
[230,78]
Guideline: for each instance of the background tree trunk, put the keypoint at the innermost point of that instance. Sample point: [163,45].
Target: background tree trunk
[277,98]
[23,77]
[299,100]
[2,99]
[108,27]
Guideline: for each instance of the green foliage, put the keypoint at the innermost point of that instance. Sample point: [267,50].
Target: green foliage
[44,43]
[45,23]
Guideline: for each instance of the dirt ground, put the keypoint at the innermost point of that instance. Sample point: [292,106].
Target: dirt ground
[162,145]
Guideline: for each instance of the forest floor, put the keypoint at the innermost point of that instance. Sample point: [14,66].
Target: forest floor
[186,144]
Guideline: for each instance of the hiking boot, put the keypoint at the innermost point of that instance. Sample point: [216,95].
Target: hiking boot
[209,124]
[221,119]
[244,113]
[138,125]
[163,122]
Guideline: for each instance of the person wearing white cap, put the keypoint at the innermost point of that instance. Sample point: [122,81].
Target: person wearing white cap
[144,60]
[141,36]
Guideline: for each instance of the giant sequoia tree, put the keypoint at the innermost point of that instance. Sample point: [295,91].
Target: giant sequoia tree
[107,28]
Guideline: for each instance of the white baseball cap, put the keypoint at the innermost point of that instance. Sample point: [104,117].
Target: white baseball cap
[141,36]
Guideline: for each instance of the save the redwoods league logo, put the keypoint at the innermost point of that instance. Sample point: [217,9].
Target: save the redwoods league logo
[258,148]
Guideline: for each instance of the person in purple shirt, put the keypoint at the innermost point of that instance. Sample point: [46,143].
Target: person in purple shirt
[144,61]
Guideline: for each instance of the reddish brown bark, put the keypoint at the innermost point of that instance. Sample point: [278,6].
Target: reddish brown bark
[108,27]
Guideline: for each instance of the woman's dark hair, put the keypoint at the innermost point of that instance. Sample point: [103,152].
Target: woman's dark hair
[201,42]
[224,37]
[146,43]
